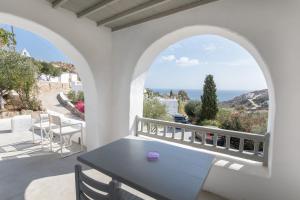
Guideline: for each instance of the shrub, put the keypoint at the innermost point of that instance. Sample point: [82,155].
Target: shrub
[80,96]
[18,73]
[80,106]
[155,110]
[214,123]
[74,98]
[232,123]
[193,110]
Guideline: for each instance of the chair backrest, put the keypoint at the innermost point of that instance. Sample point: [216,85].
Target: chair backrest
[39,117]
[44,117]
[55,120]
[88,188]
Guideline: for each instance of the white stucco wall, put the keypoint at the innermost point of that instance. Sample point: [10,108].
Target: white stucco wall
[88,46]
[270,30]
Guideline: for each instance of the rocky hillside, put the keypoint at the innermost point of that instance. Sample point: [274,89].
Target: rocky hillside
[256,100]
[67,67]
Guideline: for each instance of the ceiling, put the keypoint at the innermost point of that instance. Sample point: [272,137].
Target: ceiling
[119,14]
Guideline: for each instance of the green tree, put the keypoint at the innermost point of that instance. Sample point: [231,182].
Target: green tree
[182,95]
[155,110]
[171,95]
[49,70]
[7,38]
[209,107]
[193,110]
[18,73]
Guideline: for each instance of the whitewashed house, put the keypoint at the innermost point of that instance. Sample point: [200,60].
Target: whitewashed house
[171,105]
[25,53]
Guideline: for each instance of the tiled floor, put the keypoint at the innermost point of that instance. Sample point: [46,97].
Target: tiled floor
[28,172]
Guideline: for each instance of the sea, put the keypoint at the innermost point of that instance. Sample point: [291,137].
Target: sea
[223,95]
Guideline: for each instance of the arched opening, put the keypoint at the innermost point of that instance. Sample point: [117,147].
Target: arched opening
[145,61]
[82,67]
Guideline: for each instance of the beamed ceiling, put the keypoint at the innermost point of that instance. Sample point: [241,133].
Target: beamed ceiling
[119,14]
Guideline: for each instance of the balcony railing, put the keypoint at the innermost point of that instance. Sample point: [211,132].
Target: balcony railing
[240,144]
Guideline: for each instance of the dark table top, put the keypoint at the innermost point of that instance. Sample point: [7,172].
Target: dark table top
[178,174]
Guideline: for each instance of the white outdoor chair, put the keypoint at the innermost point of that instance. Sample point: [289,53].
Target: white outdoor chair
[65,131]
[41,122]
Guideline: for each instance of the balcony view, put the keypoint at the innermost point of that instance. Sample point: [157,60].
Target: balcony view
[149,99]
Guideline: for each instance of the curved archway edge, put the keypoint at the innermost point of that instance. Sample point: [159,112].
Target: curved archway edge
[147,57]
[73,54]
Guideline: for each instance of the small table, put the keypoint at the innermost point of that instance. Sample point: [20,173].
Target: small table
[178,174]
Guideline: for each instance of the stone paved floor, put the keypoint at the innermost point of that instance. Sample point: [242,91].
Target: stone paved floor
[28,172]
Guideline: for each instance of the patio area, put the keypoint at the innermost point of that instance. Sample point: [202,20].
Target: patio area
[114,50]
[31,173]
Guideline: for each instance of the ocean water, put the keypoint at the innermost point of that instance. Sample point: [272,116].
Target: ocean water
[223,95]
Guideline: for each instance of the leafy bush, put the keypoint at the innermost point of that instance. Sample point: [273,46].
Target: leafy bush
[232,123]
[18,73]
[214,123]
[155,110]
[80,106]
[193,110]
[49,70]
[75,97]
[72,96]
[80,96]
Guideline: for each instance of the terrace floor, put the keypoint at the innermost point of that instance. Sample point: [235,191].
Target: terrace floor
[28,172]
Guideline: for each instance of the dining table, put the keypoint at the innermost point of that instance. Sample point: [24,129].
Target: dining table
[173,173]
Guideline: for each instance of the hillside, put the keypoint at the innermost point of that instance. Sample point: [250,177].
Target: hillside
[256,100]
[67,67]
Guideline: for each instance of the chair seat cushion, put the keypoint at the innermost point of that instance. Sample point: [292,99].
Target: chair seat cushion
[65,130]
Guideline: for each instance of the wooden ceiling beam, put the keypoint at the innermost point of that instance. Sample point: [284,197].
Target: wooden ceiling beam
[163,14]
[94,8]
[131,11]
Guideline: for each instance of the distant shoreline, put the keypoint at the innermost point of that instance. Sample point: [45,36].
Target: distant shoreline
[194,94]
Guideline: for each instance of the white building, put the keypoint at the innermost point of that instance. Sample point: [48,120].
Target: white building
[171,105]
[25,53]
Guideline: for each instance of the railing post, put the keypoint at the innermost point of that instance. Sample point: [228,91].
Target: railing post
[266,149]
[241,146]
[182,134]
[174,131]
[165,131]
[228,142]
[215,139]
[156,131]
[137,125]
[193,136]
[256,147]
[148,127]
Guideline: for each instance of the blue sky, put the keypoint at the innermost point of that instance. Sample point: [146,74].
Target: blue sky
[37,46]
[185,64]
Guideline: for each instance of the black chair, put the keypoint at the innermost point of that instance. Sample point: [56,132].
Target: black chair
[90,189]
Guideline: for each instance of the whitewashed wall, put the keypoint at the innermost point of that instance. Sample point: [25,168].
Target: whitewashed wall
[76,86]
[270,30]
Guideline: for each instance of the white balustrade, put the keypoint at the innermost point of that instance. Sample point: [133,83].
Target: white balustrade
[235,143]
